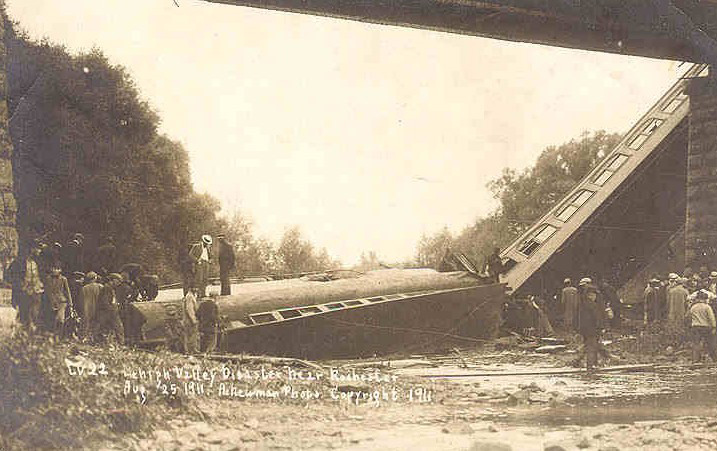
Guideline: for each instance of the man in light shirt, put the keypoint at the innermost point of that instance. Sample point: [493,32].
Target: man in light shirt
[201,254]
[701,320]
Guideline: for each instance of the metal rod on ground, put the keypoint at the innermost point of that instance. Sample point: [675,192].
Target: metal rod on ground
[612,369]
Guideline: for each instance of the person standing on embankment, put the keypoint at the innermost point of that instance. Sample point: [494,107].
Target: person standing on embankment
[227,264]
[202,257]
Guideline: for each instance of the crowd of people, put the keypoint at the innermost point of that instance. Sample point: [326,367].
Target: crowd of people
[85,305]
[686,304]
[55,290]
[681,308]
[684,307]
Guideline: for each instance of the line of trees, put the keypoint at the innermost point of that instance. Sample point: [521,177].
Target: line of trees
[89,159]
[293,253]
[524,196]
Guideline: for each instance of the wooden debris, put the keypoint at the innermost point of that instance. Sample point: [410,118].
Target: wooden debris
[460,356]
[263,359]
[546,372]
[550,349]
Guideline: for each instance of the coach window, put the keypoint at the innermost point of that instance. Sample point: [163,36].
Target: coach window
[672,106]
[645,133]
[617,161]
[539,237]
[574,204]
[613,165]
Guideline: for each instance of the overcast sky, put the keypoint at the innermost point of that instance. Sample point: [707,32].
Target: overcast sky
[365,136]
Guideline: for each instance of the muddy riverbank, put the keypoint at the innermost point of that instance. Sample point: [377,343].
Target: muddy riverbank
[503,395]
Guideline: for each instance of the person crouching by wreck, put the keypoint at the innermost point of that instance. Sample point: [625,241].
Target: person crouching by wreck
[541,319]
[589,323]
[59,301]
[612,301]
[701,321]
[189,322]
[109,324]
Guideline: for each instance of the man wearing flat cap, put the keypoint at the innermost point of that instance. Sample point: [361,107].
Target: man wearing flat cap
[590,319]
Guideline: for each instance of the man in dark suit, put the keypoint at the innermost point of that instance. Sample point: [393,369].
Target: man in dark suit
[227,264]
[590,321]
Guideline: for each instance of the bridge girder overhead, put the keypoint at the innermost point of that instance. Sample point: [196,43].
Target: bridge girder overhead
[678,29]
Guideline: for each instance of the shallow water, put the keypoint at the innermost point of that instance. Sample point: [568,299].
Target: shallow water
[591,399]
[631,397]
[628,398]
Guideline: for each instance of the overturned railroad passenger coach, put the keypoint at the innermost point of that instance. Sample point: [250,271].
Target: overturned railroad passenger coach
[344,314]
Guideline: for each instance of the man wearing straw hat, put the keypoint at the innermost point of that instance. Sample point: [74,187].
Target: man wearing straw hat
[201,254]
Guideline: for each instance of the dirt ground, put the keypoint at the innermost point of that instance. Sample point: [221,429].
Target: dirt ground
[502,396]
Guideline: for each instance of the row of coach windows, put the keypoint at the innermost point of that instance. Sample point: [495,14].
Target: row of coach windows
[579,198]
[543,233]
[668,107]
